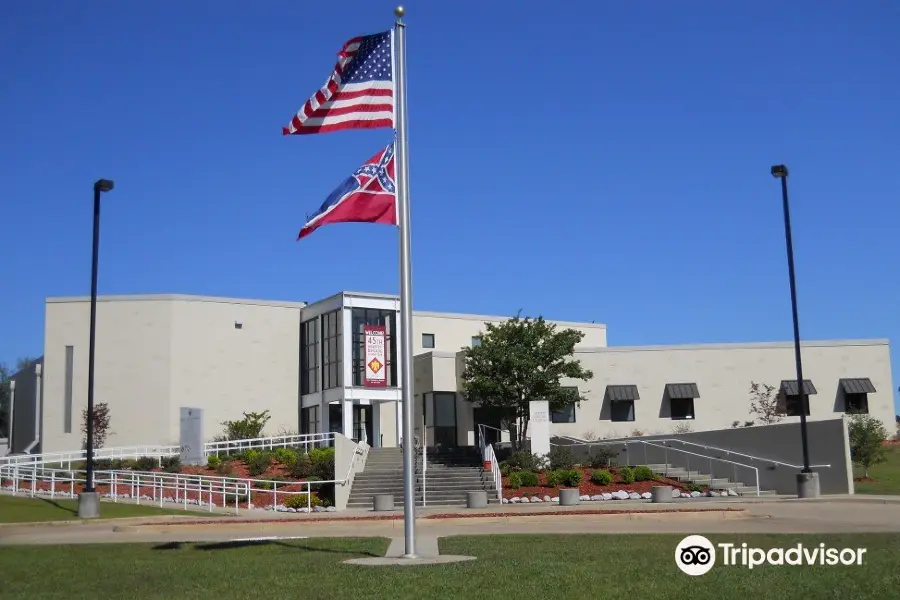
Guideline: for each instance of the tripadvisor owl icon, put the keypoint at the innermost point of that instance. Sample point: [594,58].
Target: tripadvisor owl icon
[695,555]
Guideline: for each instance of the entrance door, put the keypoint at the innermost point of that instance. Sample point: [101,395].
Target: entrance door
[362,424]
[445,419]
[493,418]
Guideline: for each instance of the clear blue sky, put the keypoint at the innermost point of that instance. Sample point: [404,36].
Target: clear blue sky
[603,161]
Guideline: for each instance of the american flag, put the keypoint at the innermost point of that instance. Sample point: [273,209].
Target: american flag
[359,94]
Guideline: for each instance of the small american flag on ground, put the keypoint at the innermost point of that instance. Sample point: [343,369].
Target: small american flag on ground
[358,95]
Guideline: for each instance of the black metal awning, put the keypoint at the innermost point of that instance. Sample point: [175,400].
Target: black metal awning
[857,386]
[676,391]
[789,387]
[622,392]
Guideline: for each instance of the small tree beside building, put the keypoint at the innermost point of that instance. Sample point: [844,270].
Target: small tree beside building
[867,436]
[520,360]
[764,403]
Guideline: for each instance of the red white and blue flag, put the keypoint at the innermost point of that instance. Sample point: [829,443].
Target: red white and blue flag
[358,95]
[367,196]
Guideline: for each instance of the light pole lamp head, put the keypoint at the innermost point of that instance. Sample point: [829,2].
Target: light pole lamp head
[779,171]
[103,185]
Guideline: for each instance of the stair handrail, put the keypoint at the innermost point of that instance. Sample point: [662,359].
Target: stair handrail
[666,449]
[581,441]
[487,454]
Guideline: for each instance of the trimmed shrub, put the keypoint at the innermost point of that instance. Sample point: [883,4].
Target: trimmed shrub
[302,467]
[146,463]
[529,479]
[212,461]
[225,468]
[314,486]
[323,462]
[285,456]
[601,477]
[504,470]
[564,477]
[248,456]
[525,461]
[627,474]
[259,465]
[643,473]
[172,464]
[604,458]
[103,464]
[263,485]
[300,501]
[514,481]
[561,457]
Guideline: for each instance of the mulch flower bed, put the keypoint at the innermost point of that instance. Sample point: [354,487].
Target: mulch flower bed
[588,487]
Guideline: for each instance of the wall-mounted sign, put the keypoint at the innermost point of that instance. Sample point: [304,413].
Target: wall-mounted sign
[376,367]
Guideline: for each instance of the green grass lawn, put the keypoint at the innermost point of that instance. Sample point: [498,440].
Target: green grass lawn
[508,567]
[23,509]
[886,475]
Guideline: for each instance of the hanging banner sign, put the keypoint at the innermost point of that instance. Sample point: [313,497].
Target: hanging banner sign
[376,368]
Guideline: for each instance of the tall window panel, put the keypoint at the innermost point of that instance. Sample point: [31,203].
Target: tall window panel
[309,356]
[373,316]
[67,390]
[332,350]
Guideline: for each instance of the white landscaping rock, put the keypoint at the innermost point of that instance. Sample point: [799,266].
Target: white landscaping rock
[536,499]
[547,499]
[695,494]
[505,501]
[597,497]
[292,510]
[584,497]
[514,500]
[525,500]
[319,509]
[555,499]
[634,496]
[330,509]
[731,492]
[646,495]
[607,496]
[676,493]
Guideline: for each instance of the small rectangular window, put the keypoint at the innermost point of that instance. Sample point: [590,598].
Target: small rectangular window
[564,415]
[793,405]
[476,340]
[682,408]
[857,403]
[622,410]
[428,340]
[67,393]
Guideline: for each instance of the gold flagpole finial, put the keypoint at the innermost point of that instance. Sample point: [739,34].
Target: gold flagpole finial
[399,12]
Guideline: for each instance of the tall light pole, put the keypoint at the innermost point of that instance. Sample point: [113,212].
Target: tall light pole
[89,500]
[807,481]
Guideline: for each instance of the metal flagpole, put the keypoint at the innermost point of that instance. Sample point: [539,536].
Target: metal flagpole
[401,159]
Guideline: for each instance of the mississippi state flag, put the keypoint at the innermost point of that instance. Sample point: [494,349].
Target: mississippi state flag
[367,196]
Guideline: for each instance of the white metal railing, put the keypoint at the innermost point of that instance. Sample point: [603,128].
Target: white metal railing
[666,450]
[306,441]
[30,477]
[488,454]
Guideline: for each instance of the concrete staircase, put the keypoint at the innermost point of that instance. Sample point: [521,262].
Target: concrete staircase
[450,474]
[699,478]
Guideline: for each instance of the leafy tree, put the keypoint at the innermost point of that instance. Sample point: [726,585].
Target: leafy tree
[101,425]
[764,403]
[521,360]
[867,437]
[6,374]
[248,428]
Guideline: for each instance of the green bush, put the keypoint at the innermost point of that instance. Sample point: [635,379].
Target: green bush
[225,468]
[248,456]
[172,464]
[129,463]
[322,462]
[643,473]
[263,485]
[504,469]
[300,501]
[248,428]
[604,458]
[627,474]
[311,480]
[285,457]
[259,465]
[601,477]
[302,467]
[514,481]
[695,487]
[212,461]
[564,477]
[103,464]
[146,463]
[561,457]
[529,479]
[525,461]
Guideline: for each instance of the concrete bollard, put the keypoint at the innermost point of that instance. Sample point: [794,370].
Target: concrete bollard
[476,500]
[383,502]
[661,493]
[808,485]
[569,497]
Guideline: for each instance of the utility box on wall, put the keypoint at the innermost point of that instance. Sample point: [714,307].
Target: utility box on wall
[191,438]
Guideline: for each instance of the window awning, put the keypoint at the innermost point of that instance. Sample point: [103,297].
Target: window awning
[679,391]
[789,387]
[622,392]
[857,386]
